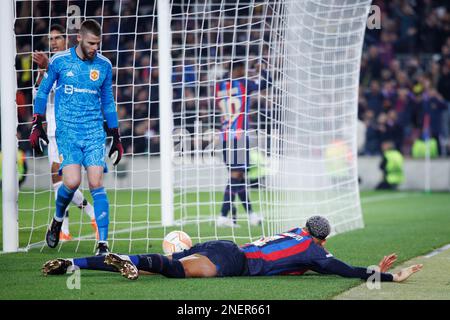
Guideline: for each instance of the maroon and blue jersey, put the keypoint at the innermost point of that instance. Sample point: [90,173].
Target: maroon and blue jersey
[232,97]
[293,253]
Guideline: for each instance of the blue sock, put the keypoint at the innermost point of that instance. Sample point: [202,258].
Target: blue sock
[63,199]
[101,210]
[157,263]
[93,263]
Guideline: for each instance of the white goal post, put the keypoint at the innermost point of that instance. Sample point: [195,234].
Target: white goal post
[170,59]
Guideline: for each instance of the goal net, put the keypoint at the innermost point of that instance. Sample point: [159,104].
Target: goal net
[301,58]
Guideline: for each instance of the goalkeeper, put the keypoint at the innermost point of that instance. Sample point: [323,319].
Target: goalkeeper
[290,253]
[83,100]
[57,44]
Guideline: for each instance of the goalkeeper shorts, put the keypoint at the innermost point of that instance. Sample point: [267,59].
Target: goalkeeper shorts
[87,151]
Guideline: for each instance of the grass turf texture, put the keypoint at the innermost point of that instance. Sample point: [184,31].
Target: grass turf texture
[409,224]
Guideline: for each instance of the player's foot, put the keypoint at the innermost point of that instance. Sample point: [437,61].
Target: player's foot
[63,236]
[226,222]
[95,228]
[123,264]
[56,266]
[52,236]
[254,219]
[102,249]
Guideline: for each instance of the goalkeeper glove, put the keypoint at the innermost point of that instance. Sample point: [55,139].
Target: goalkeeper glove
[38,137]
[116,150]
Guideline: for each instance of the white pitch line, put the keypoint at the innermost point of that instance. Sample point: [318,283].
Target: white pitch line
[388,197]
[437,251]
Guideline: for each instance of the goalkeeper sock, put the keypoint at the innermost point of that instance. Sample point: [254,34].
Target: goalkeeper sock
[81,203]
[157,263]
[93,263]
[101,210]
[63,199]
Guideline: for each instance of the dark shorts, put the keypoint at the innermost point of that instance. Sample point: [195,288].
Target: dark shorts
[236,154]
[228,258]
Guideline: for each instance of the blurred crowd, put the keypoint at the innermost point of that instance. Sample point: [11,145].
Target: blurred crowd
[404,81]
[405,77]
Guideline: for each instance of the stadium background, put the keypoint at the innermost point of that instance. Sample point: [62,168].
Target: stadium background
[405,74]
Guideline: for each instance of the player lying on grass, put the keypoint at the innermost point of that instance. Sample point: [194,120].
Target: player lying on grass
[290,253]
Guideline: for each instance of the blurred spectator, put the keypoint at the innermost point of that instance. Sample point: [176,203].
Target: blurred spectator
[374,98]
[391,166]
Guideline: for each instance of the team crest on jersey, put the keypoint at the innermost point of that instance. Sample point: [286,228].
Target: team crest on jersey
[94,75]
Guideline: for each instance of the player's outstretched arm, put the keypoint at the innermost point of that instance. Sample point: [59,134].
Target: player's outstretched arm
[405,273]
[386,263]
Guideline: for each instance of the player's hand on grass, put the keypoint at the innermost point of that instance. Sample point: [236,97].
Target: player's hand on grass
[116,150]
[405,273]
[387,262]
[38,137]
[41,59]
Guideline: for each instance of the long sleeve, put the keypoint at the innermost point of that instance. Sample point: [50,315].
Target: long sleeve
[337,267]
[107,101]
[40,101]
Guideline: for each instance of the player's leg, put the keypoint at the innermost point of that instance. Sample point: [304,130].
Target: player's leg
[94,161]
[70,152]
[198,266]
[54,160]
[193,262]
[208,259]
[78,199]
[229,194]
[57,183]
[61,266]
[239,174]
[82,204]
[128,266]
[71,181]
[227,204]
[242,192]
[101,205]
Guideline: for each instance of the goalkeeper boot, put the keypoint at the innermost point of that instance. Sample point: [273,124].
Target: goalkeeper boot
[122,264]
[52,236]
[102,249]
[56,266]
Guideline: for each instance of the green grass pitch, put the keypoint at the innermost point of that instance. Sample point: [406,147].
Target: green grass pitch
[409,224]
